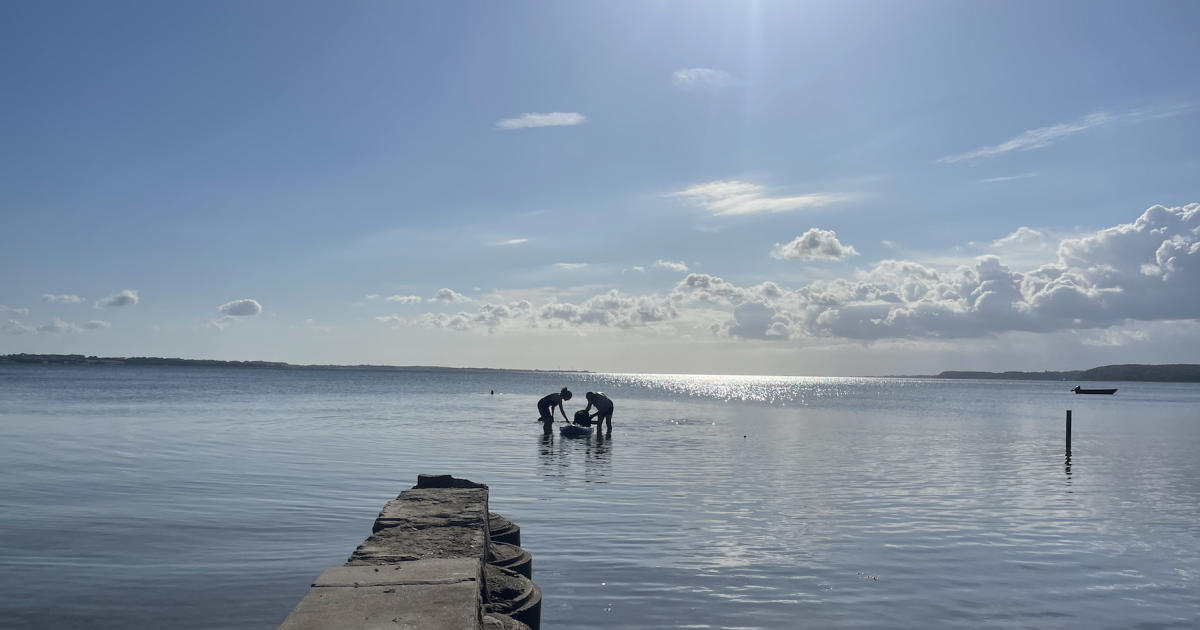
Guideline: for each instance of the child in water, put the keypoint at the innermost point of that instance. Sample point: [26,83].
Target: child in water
[547,405]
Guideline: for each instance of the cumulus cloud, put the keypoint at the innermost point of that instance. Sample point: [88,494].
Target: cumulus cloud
[405,299]
[128,297]
[815,244]
[396,320]
[700,79]
[640,269]
[735,198]
[530,120]
[240,308]
[63,298]
[612,309]
[1046,136]
[450,297]
[14,327]
[19,311]
[673,266]
[96,324]
[57,326]
[570,266]
[1142,271]
[1021,236]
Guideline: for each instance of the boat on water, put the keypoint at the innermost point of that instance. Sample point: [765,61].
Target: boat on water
[1080,390]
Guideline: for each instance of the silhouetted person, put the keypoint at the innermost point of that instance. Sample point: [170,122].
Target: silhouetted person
[604,408]
[546,408]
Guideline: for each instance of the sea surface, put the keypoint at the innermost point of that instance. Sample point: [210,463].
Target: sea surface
[155,497]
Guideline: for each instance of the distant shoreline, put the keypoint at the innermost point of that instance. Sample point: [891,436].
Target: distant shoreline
[1135,373]
[1170,373]
[79,359]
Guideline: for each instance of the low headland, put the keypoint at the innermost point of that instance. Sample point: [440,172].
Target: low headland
[1174,373]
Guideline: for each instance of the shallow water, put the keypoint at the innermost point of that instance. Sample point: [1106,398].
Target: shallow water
[211,497]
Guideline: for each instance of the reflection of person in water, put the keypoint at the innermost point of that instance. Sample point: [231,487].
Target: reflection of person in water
[546,408]
[604,409]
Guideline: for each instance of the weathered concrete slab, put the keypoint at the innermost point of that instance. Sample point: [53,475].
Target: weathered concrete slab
[401,544]
[435,507]
[428,523]
[429,595]
[407,573]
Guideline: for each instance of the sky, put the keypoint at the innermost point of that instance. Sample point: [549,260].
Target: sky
[794,188]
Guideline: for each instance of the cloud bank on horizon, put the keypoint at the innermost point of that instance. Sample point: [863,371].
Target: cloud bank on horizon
[1147,270]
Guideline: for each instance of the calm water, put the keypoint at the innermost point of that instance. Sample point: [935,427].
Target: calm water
[211,498]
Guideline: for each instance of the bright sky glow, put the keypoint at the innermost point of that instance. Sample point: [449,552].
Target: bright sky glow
[721,187]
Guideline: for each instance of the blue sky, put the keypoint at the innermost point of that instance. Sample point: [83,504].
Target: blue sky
[252,172]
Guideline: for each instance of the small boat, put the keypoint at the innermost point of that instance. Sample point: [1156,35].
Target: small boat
[1080,390]
[574,430]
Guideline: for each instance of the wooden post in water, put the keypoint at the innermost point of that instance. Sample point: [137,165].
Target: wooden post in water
[1068,432]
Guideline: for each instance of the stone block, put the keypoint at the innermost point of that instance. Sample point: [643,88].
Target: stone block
[426,595]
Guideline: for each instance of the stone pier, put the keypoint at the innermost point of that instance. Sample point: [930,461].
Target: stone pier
[436,559]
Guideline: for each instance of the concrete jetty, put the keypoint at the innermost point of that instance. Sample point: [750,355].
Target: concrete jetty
[436,559]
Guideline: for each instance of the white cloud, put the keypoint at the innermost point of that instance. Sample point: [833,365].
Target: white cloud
[1007,179]
[63,298]
[14,327]
[530,120]
[1144,271]
[489,315]
[19,311]
[570,266]
[57,326]
[1141,271]
[1045,136]
[815,244]
[221,323]
[612,309]
[372,296]
[128,297]
[450,297]
[396,320]
[96,324]
[405,299]
[240,308]
[1022,236]
[673,266]
[641,269]
[700,79]
[734,198]
[511,241]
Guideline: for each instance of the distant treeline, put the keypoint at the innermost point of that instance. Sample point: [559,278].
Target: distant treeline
[1177,373]
[79,359]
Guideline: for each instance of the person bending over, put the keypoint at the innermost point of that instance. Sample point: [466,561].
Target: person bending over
[546,408]
[604,408]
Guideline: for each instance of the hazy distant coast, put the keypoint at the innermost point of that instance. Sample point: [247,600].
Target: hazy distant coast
[79,359]
[1174,373]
